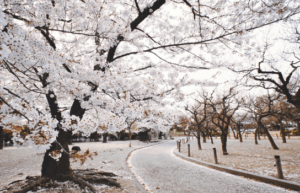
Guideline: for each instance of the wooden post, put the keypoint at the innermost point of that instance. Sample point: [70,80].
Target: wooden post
[215,155]
[279,169]
[177,144]
[277,135]
[189,151]
[179,147]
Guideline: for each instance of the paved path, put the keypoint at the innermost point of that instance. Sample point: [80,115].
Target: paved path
[162,172]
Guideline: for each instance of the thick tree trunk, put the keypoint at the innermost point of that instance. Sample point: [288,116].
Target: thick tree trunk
[50,167]
[282,133]
[104,135]
[274,146]
[198,140]
[1,137]
[239,133]
[224,143]
[204,137]
[240,136]
[255,136]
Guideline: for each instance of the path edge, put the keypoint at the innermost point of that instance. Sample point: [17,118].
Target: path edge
[266,179]
[133,177]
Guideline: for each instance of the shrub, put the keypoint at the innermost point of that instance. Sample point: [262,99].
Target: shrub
[216,133]
[286,131]
[295,132]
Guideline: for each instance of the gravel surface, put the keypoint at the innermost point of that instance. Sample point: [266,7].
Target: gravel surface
[161,171]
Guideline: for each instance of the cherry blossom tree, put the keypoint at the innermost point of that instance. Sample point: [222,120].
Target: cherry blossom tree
[62,61]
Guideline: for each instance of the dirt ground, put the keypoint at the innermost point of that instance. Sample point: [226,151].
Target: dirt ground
[17,163]
[252,158]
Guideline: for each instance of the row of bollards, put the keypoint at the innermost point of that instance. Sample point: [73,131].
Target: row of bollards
[183,141]
[277,158]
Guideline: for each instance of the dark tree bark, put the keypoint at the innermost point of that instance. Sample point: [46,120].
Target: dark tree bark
[76,109]
[282,133]
[255,136]
[224,143]
[235,135]
[211,139]
[204,137]
[274,146]
[198,140]
[50,167]
[240,136]
[104,135]
[1,137]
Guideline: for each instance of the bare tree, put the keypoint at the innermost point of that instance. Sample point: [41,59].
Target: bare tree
[237,124]
[198,114]
[263,107]
[223,110]
[280,75]
[209,127]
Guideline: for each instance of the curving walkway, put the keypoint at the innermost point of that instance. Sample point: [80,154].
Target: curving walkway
[161,171]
